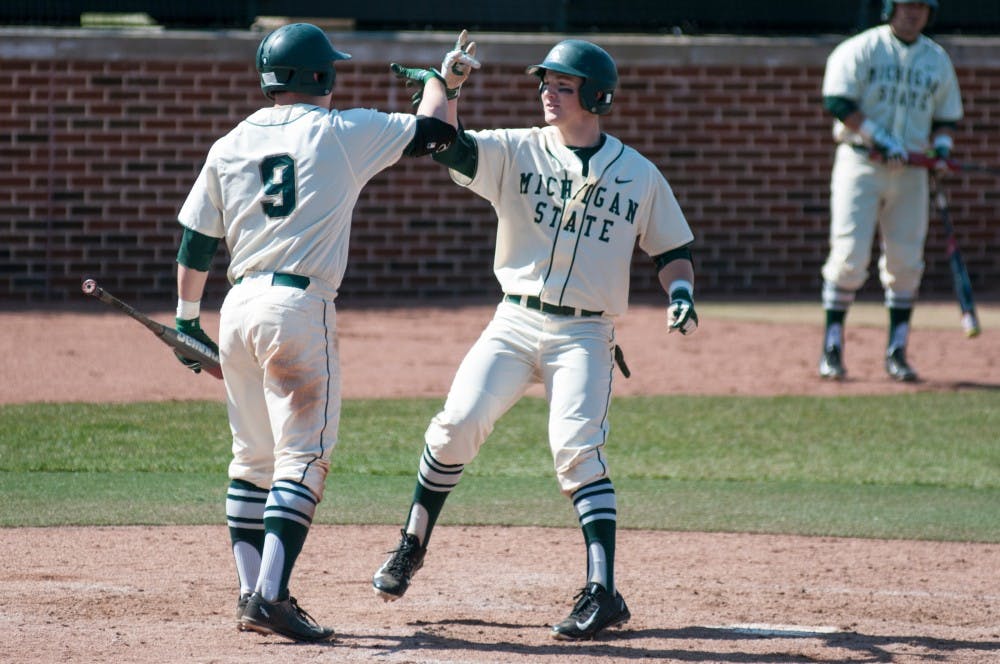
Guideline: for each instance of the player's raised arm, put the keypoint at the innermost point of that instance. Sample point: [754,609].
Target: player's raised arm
[456,66]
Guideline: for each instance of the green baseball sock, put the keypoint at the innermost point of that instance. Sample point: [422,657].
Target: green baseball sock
[424,512]
[427,501]
[600,538]
[596,507]
[245,518]
[834,335]
[287,518]
[899,327]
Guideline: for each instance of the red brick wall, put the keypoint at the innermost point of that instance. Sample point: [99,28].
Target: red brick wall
[101,136]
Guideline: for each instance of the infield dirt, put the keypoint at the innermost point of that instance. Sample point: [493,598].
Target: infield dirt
[487,594]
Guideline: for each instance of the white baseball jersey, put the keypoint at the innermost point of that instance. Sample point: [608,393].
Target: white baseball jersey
[566,237]
[901,87]
[281,187]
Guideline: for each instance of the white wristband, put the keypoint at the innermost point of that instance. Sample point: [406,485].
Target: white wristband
[943,142]
[681,283]
[187,310]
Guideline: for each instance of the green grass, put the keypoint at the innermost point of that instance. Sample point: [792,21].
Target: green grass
[920,466]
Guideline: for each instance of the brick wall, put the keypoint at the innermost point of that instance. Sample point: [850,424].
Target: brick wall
[102,134]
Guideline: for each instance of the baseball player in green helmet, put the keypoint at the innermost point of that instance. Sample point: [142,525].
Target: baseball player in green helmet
[892,91]
[572,202]
[280,189]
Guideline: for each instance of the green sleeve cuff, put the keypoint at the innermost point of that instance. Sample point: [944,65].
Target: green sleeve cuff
[196,250]
[839,107]
[674,254]
[462,156]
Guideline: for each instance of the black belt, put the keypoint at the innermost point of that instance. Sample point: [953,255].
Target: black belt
[532,302]
[286,279]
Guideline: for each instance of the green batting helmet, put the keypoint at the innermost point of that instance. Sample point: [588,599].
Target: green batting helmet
[297,57]
[888,6]
[591,63]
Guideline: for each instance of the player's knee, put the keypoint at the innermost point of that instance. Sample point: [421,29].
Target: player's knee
[308,471]
[456,441]
[845,276]
[578,468]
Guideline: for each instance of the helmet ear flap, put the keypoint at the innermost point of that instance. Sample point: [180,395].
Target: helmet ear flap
[589,62]
[298,57]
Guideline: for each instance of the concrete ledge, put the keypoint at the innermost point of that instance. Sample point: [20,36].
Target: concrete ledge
[428,47]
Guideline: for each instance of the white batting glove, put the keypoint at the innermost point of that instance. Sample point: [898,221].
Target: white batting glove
[890,147]
[681,315]
[459,62]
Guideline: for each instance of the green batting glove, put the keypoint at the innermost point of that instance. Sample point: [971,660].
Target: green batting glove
[419,77]
[192,328]
[413,75]
[680,314]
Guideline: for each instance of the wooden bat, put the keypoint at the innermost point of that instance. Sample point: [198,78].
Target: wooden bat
[959,273]
[183,344]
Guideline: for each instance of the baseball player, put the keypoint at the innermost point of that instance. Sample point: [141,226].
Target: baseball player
[892,91]
[280,188]
[571,204]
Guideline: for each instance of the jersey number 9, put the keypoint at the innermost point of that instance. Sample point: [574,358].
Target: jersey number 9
[277,172]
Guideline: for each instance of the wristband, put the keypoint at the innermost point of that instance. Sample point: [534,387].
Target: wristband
[450,93]
[943,143]
[187,310]
[681,284]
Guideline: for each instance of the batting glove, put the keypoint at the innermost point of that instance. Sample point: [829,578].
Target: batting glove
[681,315]
[459,62]
[891,149]
[943,144]
[417,76]
[192,328]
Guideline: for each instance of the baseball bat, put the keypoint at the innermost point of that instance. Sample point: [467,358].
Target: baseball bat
[959,273]
[183,344]
[920,159]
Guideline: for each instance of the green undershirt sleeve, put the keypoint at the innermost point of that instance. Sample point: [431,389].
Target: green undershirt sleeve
[462,156]
[674,254]
[196,250]
[839,107]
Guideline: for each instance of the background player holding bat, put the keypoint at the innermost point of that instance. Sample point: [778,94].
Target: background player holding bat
[280,189]
[892,90]
[571,203]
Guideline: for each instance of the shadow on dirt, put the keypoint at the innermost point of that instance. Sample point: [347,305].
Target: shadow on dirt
[626,644]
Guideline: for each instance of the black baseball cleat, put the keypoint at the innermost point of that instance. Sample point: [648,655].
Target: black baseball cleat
[284,618]
[897,367]
[241,607]
[393,577]
[595,610]
[831,364]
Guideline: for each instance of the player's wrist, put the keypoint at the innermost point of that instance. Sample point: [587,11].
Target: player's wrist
[681,289]
[943,144]
[450,92]
[188,309]
[868,129]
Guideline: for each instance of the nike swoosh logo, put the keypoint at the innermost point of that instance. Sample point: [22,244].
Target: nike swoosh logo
[582,626]
[621,181]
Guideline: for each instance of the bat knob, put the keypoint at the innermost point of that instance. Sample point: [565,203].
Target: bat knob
[970,325]
[88,286]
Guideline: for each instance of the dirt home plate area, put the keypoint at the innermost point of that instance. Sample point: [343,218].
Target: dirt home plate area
[489,594]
